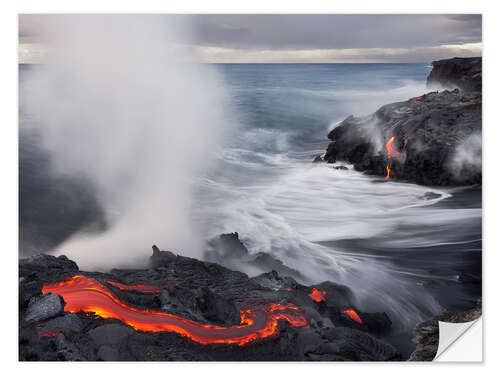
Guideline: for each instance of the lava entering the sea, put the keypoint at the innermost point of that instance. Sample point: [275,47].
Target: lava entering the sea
[317,295]
[86,294]
[391,152]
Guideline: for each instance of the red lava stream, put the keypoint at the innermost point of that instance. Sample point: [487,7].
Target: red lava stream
[88,295]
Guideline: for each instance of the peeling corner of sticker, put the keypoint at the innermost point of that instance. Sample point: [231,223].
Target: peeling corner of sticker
[460,342]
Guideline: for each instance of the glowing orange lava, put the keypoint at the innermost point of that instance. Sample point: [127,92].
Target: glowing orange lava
[415,100]
[391,152]
[353,315]
[88,295]
[139,287]
[317,295]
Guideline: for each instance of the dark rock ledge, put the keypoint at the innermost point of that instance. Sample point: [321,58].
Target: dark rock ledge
[463,73]
[201,291]
[437,136]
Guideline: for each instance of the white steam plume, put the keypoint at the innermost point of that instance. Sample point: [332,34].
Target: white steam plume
[121,104]
[467,158]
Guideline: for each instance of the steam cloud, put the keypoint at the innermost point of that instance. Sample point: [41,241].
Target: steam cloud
[467,157]
[121,105]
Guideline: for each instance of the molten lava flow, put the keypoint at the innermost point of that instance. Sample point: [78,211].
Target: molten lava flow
[353,315]
[415,100]
[391,152]
[139,287]
[317,295]
[88,295]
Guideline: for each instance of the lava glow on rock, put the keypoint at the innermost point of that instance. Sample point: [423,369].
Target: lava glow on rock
[353,315]
[391,152]
[88,295]
[139,287]
[415,100]
[388,175]
[317,295]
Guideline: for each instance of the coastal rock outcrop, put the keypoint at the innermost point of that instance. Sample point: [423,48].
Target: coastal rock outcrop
[458,72]
[228,250]
[433,139]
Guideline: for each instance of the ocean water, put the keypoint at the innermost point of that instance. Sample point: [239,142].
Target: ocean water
[399,253]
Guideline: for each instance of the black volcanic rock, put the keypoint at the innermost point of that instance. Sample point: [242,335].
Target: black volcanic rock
[464,73]
[110,334]
[215,308]
[28,288]
[430,195]
[160,257]
[230,245]
[375,323]
[426,334]
[65,323]
[438,134]
[228,250]
[203,292]
[44,307]
[44,261]
[431,133]
[273,280]
[201,304]
[346,344]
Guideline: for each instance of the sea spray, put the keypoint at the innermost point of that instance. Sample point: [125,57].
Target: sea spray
[121,103]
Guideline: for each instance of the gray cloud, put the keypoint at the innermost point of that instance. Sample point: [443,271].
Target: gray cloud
[330,31]
[314,37]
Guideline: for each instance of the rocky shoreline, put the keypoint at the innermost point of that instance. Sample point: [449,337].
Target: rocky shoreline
[203,292]
[433,139]
[208,294]
[205,310]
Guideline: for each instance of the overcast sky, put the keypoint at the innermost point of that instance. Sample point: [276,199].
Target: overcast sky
[312,38]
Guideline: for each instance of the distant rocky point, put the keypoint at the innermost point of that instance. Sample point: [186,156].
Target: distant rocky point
[463,73]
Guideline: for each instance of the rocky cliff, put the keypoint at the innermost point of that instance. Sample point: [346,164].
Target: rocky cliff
[433,139]
[463,73]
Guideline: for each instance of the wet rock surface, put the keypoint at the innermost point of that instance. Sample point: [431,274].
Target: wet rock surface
[463,73]
[44,307]
[426,334]
[436,139]
[228,250]
[204,292]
